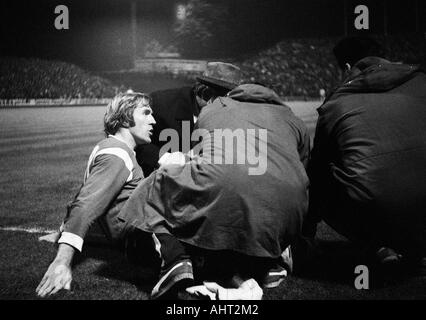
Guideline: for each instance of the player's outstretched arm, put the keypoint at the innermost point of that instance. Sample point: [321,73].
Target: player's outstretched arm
[59,275]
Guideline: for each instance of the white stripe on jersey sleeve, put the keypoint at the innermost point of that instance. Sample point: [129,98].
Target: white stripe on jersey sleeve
[89,162]
[122,154]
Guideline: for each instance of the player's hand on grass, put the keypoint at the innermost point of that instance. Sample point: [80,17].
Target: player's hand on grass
[58,276]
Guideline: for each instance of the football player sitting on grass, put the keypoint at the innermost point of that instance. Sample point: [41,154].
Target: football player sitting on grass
[111,175]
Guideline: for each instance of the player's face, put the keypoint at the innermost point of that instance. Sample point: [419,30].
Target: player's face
[143,128]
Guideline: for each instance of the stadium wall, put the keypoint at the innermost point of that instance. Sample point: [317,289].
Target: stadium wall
[11,103]
[52,102]
[174,66]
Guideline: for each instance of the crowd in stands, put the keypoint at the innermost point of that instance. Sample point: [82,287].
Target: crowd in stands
[299,68]
[22,78]
[405,48]
[302,67]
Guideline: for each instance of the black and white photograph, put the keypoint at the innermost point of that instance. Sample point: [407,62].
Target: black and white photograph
[220,150]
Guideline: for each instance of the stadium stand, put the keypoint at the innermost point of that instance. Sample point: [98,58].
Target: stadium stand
[22,78]
[302,67]
[295,68]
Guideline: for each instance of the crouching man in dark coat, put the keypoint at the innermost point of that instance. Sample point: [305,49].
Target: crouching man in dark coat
[245,192]
[367,171]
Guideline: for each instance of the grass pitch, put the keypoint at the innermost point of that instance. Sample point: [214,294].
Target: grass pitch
[43,157]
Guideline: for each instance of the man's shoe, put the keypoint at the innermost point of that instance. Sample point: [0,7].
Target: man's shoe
[388,256]
[280,270]
[389,268]
[274,277]
[178,276]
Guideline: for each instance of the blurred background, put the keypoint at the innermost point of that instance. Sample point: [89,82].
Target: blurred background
[146,45]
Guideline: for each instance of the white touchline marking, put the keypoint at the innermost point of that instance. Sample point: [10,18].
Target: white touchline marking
[28,230]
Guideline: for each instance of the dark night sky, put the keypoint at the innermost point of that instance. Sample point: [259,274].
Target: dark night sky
[99,34]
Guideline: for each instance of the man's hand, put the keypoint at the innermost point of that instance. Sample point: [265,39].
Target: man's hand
[247,290]
[58,276]
[172,163]
[172,159]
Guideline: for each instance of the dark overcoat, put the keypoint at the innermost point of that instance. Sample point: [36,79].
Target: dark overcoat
[255,203]
[368,166]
